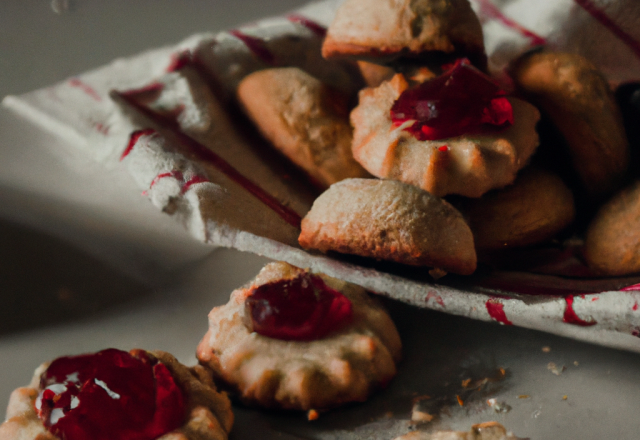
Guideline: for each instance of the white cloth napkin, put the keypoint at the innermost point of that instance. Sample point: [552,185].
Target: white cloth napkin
[607,32]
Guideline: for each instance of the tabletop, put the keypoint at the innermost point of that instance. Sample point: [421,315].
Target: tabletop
[62,298]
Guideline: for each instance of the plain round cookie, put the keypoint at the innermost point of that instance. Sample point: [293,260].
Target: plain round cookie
[577,97]
[389,220]
[304,119]
[209,415]
[383,28]
[470,165]
[534,209]
[612,241]
[344,366]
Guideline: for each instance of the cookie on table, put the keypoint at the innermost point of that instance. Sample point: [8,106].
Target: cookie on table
[304,119]
[577,97]
[295,340]
[612,241]
[381,28]
[448,161]
[116,394]
[389,220]
[534,209]
[481,431]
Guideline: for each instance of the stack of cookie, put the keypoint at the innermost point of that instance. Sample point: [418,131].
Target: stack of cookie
[435,163]
[440,163]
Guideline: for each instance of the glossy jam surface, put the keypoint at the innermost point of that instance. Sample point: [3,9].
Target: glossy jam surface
[301,309]
[462,100]
[109,395]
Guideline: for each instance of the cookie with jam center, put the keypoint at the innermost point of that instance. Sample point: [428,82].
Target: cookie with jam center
[270,343]
[118,394]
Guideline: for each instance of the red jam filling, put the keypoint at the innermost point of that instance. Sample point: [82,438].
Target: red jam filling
[109,395]
[299,309]
[462,100]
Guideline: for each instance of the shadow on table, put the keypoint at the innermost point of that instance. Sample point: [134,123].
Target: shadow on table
[45,281]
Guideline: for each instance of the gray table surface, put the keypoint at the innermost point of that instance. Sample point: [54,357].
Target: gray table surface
[59,300]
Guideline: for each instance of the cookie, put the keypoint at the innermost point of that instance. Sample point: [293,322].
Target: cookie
[304,119]
[374,74]
[468,165]
[115,394]
[580,103]
[389,220]
[532,210]
[481,431]
[380,28]
[304,364]
[612,241]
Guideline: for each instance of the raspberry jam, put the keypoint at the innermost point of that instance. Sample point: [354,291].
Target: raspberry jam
[109,395]
[462,100]
[300,309]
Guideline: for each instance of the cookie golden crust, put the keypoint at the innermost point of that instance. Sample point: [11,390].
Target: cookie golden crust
[389,220]
[532,210]
[580,103]
[374,74]
[344,366]
[209,415]
[612,242]
[392,28]
[470,165]
[481,431]
[304,119]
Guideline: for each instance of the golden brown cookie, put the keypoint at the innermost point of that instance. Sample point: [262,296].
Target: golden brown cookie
[205,414]
[580,103]
[356,355]
[374,74]
[304,119]
[535,208]
[468,165]
[381,28]
[481,431]
[612,242]
[389,220]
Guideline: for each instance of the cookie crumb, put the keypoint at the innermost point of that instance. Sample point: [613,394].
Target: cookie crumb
[312,415]
[418,416]
[499,407]
[546,349]
[576,363]
[437,273]
[551,366]
[565,397]
[523,396]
